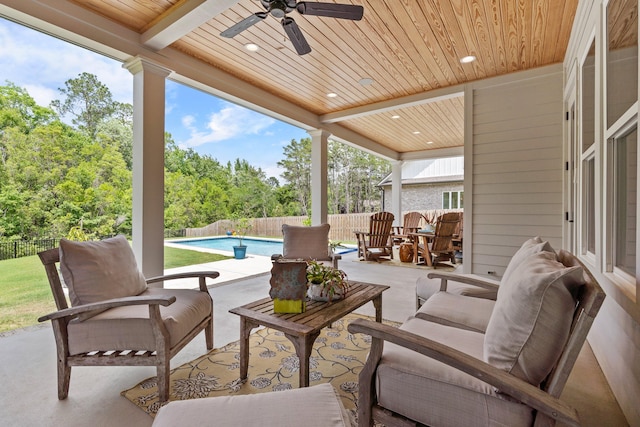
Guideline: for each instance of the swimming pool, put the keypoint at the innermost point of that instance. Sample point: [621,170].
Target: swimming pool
[262,247]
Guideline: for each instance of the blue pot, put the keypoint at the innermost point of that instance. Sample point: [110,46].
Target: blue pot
[240,252]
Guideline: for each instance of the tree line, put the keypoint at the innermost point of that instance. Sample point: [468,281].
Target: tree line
[56,177]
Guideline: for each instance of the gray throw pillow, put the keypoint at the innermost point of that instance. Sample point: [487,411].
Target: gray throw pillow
[98,271]
[530,247]
[532,317]
[306,242]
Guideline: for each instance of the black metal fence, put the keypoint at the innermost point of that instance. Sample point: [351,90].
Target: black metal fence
[21,248]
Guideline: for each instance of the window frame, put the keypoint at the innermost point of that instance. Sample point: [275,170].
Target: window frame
[588,212]
[459,193]
[625,281]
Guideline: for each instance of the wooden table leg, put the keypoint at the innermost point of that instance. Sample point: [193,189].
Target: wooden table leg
[377,303]
[245,331]
[304,346]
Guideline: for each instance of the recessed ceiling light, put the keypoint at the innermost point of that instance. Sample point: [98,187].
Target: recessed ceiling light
[252,47]
[429,142]
[416,132]
[467,59]
[332,95]
[366,81]
[395,116]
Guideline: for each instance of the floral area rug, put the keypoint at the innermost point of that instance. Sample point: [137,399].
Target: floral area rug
[337,358]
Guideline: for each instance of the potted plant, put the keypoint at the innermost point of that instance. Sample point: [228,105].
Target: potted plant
[326,283]
[335,245]
[242,226]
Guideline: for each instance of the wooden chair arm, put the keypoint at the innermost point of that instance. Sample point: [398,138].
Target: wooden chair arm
[505,382]
[201,275]
[107,304]
[469,279]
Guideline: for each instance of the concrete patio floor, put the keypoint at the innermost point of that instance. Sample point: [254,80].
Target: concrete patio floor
[28,396]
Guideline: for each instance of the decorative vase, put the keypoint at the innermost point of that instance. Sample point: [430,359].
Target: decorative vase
[406,252]
[316,292]
[239,252]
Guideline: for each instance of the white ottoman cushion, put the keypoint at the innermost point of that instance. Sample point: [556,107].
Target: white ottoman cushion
[317,406]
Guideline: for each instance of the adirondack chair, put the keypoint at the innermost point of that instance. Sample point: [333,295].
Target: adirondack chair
[410,224]
[441,247]
[377,243]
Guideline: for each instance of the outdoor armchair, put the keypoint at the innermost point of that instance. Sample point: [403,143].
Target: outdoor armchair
[511,374]
[114,318]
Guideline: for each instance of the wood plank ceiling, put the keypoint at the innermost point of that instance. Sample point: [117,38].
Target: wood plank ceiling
[405,47]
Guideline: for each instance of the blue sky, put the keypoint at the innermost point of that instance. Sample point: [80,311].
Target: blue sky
[225,131]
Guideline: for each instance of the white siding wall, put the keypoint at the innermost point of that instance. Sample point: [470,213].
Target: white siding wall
[433,168]
[517,168]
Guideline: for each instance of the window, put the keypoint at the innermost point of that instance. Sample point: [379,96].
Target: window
[622,58]
[622,207]
[588,98]
[589,205]
[452,199]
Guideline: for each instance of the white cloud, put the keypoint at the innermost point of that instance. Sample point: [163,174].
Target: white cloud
[230,122]
[41,64]
[273,171]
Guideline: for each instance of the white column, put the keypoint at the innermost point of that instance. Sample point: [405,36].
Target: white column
[396,191]
[319,160]
[148,164]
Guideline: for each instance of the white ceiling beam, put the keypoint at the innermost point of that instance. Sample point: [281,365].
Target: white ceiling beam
[181,20]
[436,153]
[394,104]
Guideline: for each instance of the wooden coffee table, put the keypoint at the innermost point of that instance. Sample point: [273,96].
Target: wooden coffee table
[302,329]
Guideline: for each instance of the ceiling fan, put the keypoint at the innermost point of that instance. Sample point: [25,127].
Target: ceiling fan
[280,8]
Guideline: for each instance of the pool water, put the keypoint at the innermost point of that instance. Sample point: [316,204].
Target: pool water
[264,247]
[254,246]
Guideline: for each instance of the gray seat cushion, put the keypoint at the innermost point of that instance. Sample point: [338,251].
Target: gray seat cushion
[128,328]
[459,311]
[317,406]
[432,393]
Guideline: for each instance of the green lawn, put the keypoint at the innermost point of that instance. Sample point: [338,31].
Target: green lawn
[25,294]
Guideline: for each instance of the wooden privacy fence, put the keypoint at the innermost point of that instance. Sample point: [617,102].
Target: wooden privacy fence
[342,225]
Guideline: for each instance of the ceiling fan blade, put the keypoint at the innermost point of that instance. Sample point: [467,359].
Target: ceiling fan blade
[247,22]
[332,10]
[296,36]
